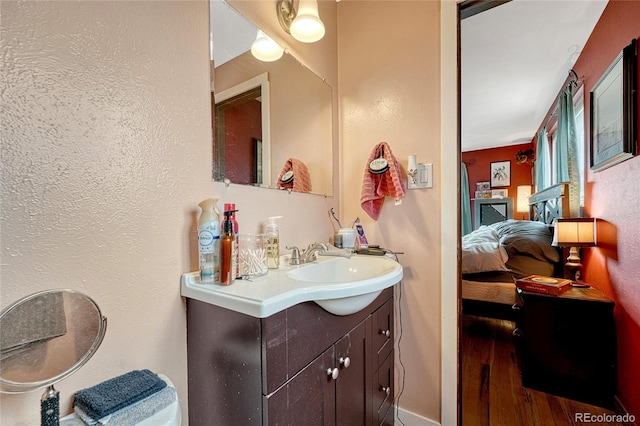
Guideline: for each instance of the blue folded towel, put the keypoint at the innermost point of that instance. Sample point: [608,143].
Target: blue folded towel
[114,394]
[135,413]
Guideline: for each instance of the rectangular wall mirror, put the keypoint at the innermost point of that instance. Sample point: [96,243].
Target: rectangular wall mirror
[266,115]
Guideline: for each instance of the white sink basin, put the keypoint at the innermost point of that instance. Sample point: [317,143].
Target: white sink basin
[339,285]
[336,270]
[361,279]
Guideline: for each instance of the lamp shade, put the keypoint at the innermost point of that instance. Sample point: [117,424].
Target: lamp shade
[575,232]
[522,200]
[265,49]
[307,26]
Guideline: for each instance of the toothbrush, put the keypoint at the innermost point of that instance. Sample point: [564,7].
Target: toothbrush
[333,213]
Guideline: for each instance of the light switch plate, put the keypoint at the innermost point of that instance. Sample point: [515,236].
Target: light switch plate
[423,178]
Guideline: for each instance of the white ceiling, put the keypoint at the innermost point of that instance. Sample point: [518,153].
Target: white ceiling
[515,58]
[230,33]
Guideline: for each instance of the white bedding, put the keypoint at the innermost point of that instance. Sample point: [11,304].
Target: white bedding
[482,252]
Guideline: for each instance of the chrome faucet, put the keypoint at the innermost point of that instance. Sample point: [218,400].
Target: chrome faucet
[308,255]
[312,251]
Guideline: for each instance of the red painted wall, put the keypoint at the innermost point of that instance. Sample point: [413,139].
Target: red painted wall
[613,196]
[243,124]
[479,168]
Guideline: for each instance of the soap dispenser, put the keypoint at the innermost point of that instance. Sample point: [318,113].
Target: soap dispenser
[236,269]
[227,250]
[209,241]
[273,243]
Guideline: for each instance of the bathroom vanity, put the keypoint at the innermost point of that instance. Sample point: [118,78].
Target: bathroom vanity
[304,345]
[300,366]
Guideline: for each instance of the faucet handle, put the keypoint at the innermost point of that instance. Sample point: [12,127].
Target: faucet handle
[295,255]
[323,246]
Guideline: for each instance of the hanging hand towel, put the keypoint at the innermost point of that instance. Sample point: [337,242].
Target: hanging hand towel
[301,181]
[376,186]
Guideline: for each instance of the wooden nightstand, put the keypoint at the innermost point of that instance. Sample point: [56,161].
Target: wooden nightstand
[569,344]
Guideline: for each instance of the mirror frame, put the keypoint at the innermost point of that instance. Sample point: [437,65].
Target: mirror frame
[8,386]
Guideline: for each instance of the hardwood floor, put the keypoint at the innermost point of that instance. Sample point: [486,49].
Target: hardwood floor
[492,391]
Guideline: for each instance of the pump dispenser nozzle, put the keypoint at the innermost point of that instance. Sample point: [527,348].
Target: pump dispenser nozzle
[227,224]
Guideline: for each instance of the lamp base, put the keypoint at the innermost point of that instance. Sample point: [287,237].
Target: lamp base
[573,264]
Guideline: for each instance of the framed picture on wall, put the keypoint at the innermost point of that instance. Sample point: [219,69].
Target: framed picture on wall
[501,173]
[613,116]
[499,193]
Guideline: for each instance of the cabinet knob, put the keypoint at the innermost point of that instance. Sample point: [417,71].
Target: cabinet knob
[517,332]
[333,373]
[386,389]
[386,333]
[345,361]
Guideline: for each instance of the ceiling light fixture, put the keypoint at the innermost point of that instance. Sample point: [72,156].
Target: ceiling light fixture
[265,49]
[304,24]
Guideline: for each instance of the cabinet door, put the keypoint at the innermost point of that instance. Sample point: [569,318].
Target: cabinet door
[307,399]
[351,386]
[382,332]
[383,390]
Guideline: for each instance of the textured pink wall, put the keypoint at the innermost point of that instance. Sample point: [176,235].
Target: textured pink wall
[613,196]
[106,152]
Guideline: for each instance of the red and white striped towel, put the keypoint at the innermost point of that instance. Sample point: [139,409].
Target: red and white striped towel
[377,186]
[301,177]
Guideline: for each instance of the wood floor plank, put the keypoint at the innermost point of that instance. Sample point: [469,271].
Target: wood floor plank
[492,391]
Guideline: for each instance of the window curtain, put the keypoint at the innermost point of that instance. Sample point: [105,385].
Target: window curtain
[542,168]
[465,200]
[566,150]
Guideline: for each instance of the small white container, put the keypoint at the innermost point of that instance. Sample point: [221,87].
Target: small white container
[348,237]
[252,255]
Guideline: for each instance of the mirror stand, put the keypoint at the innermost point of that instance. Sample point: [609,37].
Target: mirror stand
[50,407]
[45,337]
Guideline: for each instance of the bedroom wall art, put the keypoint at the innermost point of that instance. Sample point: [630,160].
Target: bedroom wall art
[613,116]
[501,174]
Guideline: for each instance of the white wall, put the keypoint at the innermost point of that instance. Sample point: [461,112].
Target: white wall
[105,155]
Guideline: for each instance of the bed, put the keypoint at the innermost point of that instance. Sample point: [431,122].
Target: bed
[493,255]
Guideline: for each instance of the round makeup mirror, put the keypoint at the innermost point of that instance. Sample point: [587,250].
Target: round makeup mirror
[45,337]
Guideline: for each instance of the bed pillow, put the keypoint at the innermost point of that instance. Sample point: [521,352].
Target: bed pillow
[482,252]
[526,237]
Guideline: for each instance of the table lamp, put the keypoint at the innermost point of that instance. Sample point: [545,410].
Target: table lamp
[574,233]
[522,200]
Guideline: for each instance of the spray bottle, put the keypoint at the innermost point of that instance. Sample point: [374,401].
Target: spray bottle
[209,241]
[273,243]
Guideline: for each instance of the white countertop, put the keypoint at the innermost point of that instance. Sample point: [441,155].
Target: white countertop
[276,291]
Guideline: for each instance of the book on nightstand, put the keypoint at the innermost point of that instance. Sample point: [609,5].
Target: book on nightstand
[542,284]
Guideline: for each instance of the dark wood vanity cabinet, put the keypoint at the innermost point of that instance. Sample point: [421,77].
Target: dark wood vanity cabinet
[301,366]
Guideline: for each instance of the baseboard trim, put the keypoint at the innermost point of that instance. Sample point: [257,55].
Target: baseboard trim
[407,418]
